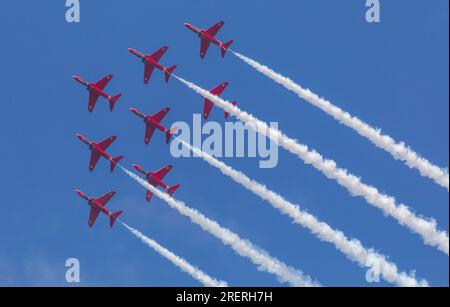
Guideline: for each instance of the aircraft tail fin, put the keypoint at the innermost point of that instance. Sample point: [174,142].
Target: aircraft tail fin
[113,217]
[172,189]
[234,103]
[114,162]
[224,47]
[168,72]
[113,100]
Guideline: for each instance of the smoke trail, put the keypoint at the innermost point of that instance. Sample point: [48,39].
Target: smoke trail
[426,228]
[242,247]
[353,248]
[196,273]
[398,150]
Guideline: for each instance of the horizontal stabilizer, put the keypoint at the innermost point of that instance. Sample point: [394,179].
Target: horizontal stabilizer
[224,47]
[168,135]
[114,162]
[172,189]
[113,217]
[113,100]
[168,72]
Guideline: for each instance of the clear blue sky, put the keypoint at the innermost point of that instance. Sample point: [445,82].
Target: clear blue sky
[393,75]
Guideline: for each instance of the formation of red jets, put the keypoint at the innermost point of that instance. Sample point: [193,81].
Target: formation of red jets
[152,122]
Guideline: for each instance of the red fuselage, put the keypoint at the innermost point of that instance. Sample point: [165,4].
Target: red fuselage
[91,87]
[148,119]
[203,34]
[152,179]
[94,203]
[147,59]
[94,147]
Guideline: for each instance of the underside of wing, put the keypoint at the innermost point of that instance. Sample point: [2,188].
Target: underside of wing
[95,156]
[215,28]
[104,199]
[159,53]
[149,194]
[207,107]
[107,142]
[162,172]
[218,90]
[148,70]
[93,214]
[204,45]
[104,82]
[149,130]
[93,97]
[161,114]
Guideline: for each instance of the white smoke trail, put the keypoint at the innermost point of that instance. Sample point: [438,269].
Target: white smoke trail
[242,247]
[426,228]
[398,150]
[352,248]
[196,273]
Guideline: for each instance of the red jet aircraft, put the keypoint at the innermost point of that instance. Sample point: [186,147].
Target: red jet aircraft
[152,122]
[96,90]
[155,179]
[98,205]
[98,150]
[208,104]
[151,61]
[208,36]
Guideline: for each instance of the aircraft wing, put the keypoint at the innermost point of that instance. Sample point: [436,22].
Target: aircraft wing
[149,130]
[207,107]
[219,89]
[107,142]
[215,28]
[161,114]
[103,82]
[104,199]
[162,172]
[159,53]
[204,45]
[93,97]
[95,156]
[149,194]
[148,70]
[93,214]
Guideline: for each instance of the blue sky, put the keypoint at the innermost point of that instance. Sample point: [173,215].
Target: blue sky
[394,75]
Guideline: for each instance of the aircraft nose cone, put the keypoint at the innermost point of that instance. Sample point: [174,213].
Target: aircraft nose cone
[133,110]
[81,138]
